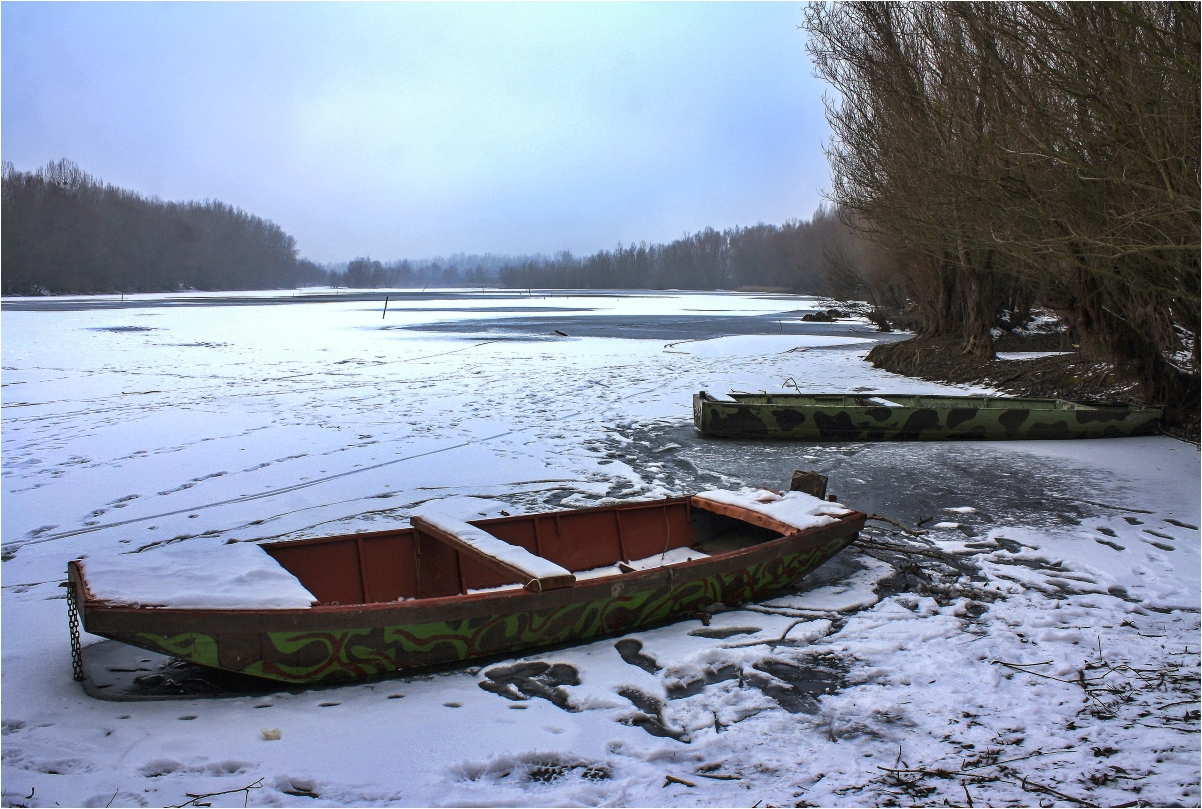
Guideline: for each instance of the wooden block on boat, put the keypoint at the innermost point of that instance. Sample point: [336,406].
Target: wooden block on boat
[535,572]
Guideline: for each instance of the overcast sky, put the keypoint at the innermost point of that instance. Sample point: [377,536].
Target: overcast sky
[413,129]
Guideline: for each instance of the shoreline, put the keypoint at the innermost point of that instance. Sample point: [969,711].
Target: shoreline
[1071,376]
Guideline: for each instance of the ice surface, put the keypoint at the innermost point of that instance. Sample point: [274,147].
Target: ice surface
[755,345]
[201,575]
[797,509]
[533,567]
[257,422]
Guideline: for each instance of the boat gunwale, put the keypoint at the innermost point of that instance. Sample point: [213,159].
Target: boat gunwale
[481,523]
[521,599]
[990,402]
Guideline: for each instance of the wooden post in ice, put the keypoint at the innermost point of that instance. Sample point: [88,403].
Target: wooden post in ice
[386,297]
[810,483]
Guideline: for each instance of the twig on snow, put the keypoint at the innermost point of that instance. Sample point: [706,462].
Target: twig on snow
[969,771]
[1035,673]
[195,798]
[1033,786]
[1182,702]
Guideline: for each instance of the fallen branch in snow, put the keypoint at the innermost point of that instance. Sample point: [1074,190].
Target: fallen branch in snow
[195,798]
[971,771]
[1104,710]
[1033,786]
[914,531]
[890,546]
[1018,667]
[770,641]
[672,779]
[790,612]
[908,778]
[1182,702]
[1107,696]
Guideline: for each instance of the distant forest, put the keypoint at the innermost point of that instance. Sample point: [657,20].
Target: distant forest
[796,256]
[65,231]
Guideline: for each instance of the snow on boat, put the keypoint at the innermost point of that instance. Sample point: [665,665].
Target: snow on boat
[357,606]
[886,417]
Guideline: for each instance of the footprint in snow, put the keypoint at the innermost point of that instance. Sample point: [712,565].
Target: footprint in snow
[631,651]
[522,681]
[651,715]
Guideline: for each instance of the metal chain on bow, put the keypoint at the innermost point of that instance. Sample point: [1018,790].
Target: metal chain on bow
[73,620]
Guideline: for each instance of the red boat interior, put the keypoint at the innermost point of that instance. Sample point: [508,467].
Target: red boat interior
[406,563]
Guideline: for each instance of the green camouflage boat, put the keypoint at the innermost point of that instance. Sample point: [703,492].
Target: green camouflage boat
[444,592]
[888,417]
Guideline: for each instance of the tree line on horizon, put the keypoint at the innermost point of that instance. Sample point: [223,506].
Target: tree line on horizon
[790,257]
[1007,155]
[459,269]
[64,231]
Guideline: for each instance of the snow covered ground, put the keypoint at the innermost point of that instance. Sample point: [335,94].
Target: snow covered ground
[1039,644]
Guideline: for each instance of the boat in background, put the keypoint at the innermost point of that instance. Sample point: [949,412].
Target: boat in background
[889,417]
[358,606]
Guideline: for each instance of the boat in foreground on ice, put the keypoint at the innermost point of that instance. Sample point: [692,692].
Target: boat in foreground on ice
[358,606]
[888,417]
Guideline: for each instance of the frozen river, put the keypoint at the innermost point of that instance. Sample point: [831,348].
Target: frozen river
[132,424]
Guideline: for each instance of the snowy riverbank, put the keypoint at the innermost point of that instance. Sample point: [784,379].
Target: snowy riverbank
[1041,641]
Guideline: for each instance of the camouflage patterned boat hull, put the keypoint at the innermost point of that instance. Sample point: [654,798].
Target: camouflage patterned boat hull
[882,417]
[342,643]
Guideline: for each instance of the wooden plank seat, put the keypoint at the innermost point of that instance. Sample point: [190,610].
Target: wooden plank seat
[534,572]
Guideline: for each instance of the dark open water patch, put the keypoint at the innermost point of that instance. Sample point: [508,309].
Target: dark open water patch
[657,327]
[913,482]
[123,329]
[797,685]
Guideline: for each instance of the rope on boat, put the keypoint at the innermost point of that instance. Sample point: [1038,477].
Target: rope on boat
[73,621]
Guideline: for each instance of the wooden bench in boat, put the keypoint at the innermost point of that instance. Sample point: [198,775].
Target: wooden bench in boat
[537,574]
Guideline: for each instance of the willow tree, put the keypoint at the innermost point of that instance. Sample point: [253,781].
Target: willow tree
[1022,151]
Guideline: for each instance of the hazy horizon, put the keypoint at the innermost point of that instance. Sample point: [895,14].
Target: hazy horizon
[418,130]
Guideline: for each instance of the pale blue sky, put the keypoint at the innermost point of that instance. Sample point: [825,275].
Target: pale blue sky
[415,129]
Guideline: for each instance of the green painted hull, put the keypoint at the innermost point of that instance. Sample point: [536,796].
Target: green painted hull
[326,645]
[881,417]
